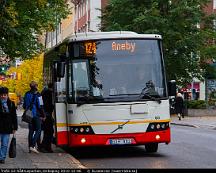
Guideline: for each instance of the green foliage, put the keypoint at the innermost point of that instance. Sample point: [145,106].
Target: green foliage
[210,71]
[22,21]
[30,69]
[186,47]
[212,98]
[196,104]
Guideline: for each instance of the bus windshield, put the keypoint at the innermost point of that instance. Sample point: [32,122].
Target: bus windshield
[120,70]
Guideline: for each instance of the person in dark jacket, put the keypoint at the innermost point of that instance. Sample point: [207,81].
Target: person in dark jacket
[46,145]
[179,105]
[34,97]
[8,122]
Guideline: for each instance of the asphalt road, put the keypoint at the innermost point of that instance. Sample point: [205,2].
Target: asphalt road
[190,148]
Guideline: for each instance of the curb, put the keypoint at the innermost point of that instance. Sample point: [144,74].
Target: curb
[77,162]
[213,127]
[189,125]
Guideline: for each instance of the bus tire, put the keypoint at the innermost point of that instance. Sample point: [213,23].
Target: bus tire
[151,147]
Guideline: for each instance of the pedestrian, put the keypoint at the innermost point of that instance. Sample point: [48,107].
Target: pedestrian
[179,105]
[33,97]
[8,122]
[46,145]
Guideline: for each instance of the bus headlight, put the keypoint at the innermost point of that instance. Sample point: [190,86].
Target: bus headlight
[83,140]
[81,130]
[157,137]
[157,126]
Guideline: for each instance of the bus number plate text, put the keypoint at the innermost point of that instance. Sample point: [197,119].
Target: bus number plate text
[120,141]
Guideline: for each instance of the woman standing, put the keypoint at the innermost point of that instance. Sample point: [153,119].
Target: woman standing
[8,122]
[179,105]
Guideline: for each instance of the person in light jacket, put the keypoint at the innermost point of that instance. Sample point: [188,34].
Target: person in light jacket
[8,122]
[179,105]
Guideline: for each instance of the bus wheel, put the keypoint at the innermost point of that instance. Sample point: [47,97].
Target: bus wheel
[151,147]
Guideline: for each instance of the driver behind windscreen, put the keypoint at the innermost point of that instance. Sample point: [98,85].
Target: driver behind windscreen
[150,88]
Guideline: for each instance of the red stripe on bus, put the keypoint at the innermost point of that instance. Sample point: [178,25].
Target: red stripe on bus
[101,140]
[62,138]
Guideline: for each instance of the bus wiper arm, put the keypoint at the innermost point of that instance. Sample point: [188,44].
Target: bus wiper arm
[121,95]
[120,126]
[151,97]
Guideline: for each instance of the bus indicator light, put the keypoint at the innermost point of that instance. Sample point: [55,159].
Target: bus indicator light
[163,126]
[81,130]
[87,129]
[76,130]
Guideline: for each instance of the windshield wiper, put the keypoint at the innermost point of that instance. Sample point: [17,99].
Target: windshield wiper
[121,94]
[151,97]
[120,126]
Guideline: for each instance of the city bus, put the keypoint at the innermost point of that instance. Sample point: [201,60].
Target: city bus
[110,89]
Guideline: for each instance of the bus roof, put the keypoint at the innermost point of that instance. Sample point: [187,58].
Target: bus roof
[109,35]
[84,36]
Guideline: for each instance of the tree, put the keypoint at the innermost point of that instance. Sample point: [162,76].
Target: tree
[22,21]
[186,46]
[29,70]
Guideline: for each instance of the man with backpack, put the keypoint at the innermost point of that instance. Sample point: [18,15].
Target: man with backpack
[33,99]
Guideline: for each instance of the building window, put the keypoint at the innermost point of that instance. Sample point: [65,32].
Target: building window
[214,4]
[214,25]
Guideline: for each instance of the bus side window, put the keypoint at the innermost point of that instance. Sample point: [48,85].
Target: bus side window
[70,81]
[80,79]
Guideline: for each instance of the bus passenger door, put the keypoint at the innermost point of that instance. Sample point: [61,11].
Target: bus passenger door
[60,108]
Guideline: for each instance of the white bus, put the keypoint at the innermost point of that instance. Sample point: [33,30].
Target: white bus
[110,89]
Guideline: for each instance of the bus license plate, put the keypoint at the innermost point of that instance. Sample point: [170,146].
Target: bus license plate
[120,141]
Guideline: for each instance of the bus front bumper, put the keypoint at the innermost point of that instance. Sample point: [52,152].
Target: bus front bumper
[79,140]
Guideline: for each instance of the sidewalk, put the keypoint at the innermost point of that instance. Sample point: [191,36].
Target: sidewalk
[59,159]
[208,122]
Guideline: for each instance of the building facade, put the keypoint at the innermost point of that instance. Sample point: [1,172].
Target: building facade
[84,17]
[63,29]
[87,15]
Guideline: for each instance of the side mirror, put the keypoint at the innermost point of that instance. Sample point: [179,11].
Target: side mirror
[60,69]
[172,88]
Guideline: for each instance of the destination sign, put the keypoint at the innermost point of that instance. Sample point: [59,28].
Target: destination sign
[126,46]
